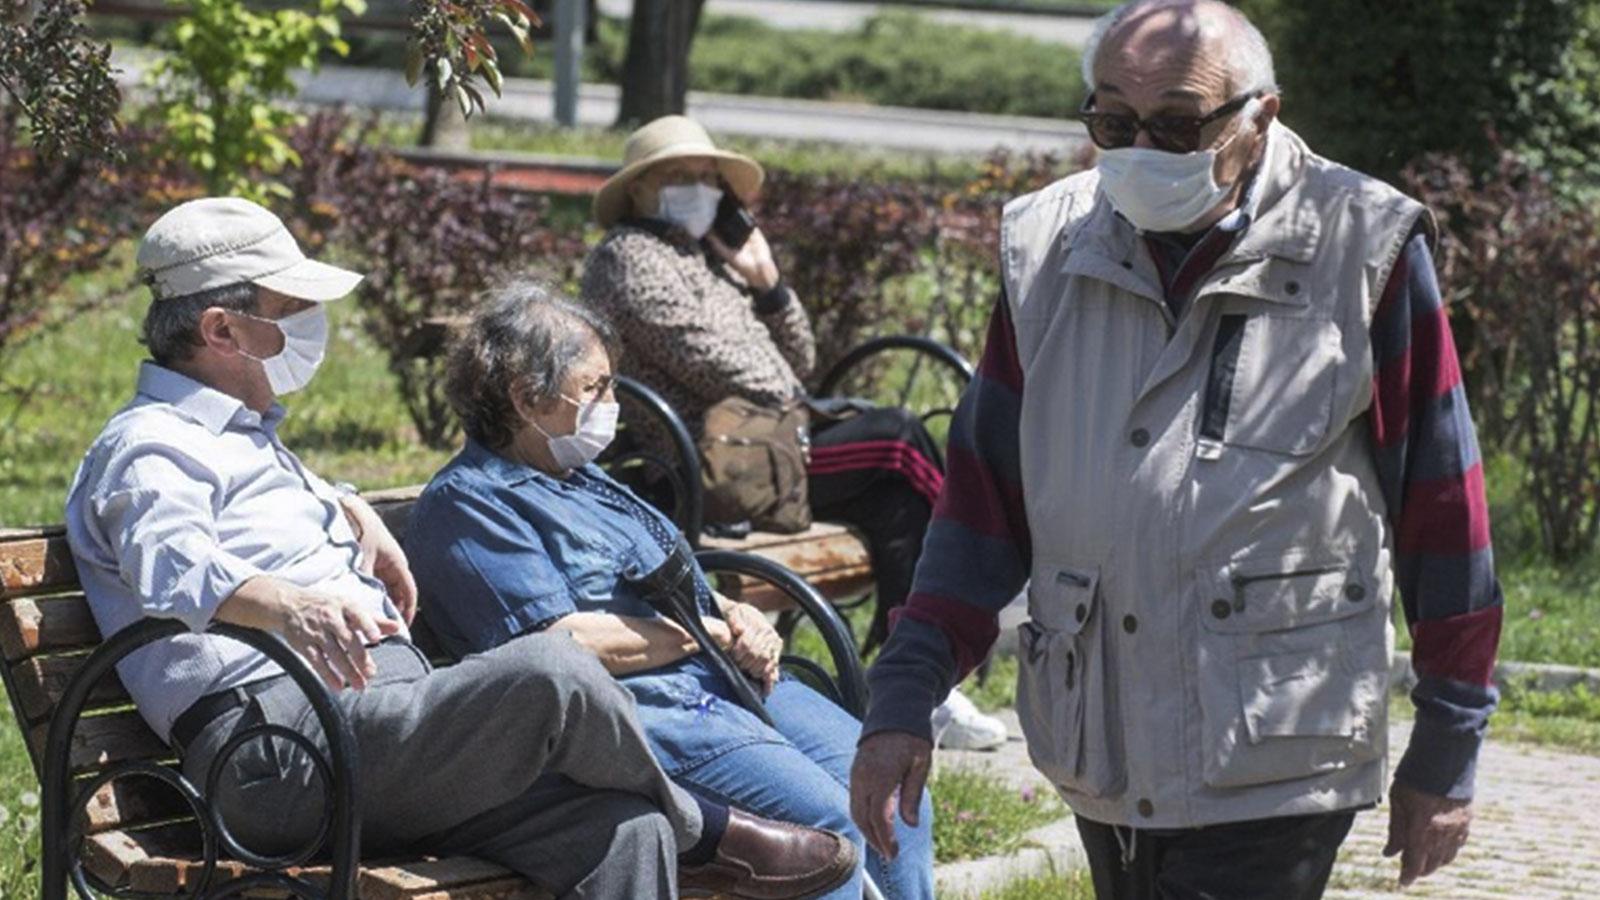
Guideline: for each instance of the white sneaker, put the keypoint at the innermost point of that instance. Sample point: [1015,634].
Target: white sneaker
[958,725]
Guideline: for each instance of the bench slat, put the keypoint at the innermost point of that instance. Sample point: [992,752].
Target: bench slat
[36,565]
[101,741]
[164,860]
[41,681]
[45,625]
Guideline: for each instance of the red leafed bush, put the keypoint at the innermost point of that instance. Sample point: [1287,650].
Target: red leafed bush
[428,241]
[61,217]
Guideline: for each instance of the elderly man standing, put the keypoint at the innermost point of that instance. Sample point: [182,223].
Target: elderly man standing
[189,506]
[1218,421]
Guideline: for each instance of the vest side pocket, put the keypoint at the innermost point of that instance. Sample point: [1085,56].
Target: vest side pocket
[1293,669]
[1073,736]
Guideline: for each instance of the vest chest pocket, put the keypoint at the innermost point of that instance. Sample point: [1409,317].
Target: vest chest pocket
[1271,383]
[1062,688]
[1293,669]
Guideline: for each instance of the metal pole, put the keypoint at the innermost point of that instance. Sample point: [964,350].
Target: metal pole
[569,59]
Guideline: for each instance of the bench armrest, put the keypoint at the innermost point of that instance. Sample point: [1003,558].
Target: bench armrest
[685,476]
[59,864]
[929,347]
[849,688]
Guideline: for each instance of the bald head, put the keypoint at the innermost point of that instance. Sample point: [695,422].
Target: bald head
[1153,38]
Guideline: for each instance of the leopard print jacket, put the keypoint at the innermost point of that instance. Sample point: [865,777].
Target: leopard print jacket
[688,326]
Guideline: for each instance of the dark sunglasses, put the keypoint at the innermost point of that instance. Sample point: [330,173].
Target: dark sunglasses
[1174,134]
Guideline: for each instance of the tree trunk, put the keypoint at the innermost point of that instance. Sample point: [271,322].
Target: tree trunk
[655,75]
[443,125]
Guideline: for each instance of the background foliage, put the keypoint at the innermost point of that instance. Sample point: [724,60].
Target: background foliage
[1376,85]
[219,90]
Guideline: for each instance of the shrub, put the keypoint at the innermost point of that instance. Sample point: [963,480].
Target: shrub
[215,91]
[1518,263]
[873,256]
[428,241]
[1376,85]
[897,58]
[62,218]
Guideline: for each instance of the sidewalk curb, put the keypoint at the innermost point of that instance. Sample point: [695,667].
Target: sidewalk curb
[1054,848]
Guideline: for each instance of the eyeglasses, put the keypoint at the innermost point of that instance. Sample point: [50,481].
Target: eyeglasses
[1174,134]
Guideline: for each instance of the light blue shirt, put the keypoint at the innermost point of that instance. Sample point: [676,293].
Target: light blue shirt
[184,496]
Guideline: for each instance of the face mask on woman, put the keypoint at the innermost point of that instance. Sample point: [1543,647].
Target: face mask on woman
[305,341]
[692,207]
[597,427]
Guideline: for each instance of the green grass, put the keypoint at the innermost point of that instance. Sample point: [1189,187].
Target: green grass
[1566,719]
[978,814]
[1074,885]
[19,814]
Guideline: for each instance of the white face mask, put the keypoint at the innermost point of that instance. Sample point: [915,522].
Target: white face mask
[597,427]
[1161,191]
[692,207]
[305,341]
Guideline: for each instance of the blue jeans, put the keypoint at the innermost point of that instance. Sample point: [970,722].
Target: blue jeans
[807,781]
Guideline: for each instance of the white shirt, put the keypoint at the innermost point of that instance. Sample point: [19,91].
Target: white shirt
[184,496]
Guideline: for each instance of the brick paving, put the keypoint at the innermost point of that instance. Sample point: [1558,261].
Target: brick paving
[1536,835]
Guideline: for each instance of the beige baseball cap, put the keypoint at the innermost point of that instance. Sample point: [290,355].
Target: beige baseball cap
[217,241]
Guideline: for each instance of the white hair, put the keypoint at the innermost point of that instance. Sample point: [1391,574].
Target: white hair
[1249,57]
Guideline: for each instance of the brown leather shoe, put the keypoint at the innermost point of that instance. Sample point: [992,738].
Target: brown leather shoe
[760,859]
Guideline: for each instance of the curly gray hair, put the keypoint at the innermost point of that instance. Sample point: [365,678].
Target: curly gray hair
[524,336]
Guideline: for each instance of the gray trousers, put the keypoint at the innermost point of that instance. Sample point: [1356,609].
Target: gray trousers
[530,755]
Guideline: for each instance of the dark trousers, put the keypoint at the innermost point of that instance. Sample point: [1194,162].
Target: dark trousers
[859,477]
[1286,858]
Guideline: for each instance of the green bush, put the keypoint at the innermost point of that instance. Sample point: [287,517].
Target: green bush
[1377,85]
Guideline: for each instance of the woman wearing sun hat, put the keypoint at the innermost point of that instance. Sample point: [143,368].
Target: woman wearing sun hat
[702,321]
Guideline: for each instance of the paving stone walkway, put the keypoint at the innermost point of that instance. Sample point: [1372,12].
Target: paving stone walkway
[1536,835]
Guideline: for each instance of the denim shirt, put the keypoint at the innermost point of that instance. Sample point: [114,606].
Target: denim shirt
[501,549]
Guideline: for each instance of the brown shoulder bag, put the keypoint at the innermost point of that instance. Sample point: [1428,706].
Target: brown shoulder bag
[753,464]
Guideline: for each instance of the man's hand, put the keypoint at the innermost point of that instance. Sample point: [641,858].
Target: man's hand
[756,645]
[753,261]
[332,634]
[886,762]
[1426,830]
[381,555]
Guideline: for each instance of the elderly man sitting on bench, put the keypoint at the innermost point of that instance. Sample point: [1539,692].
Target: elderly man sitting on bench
[189,506]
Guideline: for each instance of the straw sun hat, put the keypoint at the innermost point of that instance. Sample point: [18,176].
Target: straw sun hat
[671,137]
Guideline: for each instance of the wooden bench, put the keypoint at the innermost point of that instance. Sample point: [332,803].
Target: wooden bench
[111,795]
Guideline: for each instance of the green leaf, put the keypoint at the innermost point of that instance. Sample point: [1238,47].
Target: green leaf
[491,74]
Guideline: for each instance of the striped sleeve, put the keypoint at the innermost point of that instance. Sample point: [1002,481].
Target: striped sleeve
[1432,475]
[975,556]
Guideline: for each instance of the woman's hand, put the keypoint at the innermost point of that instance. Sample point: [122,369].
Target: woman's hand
[756,645]
[753,261]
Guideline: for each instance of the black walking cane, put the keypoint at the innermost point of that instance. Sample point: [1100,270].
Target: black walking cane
[671,590]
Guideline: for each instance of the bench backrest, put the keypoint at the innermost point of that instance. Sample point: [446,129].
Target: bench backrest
[46,632]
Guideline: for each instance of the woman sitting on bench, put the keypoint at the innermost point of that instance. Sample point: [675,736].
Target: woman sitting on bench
[547,541]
